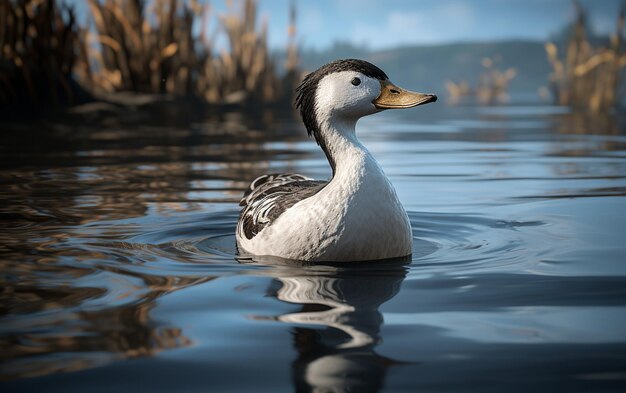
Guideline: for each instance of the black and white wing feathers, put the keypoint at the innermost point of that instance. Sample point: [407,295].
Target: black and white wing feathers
[269,196]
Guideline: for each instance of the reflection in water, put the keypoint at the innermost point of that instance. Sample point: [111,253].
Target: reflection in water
[586,124]
[338,355]
[61,332]
[73,294]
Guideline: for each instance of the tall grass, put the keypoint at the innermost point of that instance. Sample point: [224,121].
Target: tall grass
[133,48]
[153,49]
[156,46]
[585,77]
[246,69]
[37,41]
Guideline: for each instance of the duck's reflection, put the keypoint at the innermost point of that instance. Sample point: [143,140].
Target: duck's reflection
[339,356]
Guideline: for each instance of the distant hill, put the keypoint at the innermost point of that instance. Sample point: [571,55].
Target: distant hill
[426,68]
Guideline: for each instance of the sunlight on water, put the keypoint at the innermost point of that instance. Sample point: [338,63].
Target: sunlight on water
[119,257]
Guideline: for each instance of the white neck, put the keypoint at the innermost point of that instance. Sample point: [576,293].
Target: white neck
[344,151]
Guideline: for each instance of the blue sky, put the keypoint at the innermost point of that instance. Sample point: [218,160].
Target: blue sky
[388,23]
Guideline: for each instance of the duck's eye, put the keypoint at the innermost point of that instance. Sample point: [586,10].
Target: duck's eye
[355,81]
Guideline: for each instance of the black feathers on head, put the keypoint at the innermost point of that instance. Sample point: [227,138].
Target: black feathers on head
[305,98]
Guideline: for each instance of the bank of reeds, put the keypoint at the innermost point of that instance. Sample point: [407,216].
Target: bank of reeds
[153,49]
[158,46]
[246,68]
[584,77]
[492,87]
[133,47]
[37,54]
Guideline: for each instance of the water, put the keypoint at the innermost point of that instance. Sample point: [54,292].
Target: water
[119,269]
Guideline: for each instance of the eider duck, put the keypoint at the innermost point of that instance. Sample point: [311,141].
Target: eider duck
[356,215]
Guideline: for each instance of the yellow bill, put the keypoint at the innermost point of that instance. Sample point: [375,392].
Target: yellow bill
[394,97]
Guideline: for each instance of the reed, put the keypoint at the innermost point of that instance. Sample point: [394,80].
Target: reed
[493,84]
[133,47]
[37,41]
[246,70]
[138,46]
[293,74]
[457,91]
[588,78]
[153,49]
[492,87]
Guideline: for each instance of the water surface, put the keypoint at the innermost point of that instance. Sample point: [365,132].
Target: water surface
[119,268]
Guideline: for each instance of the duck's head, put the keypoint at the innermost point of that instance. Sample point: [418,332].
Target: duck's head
[346,90]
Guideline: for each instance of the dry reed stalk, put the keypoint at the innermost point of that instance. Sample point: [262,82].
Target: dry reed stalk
[293,75]
[137,45]
[457,91]
[136,49]
[491,89]
[246,71]
[588,78]
[153,49]
[37,40]
[493,84]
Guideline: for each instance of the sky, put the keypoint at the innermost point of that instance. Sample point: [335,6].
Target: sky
[379,24]
[382,24]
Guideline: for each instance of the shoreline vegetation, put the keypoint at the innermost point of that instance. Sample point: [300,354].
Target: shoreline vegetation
[588,77]
[162,49]
[491,89]
[162,56]
[37,55]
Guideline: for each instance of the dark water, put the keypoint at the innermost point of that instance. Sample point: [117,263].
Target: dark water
[119,270]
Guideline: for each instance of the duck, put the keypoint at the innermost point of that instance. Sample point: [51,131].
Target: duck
[354,216]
